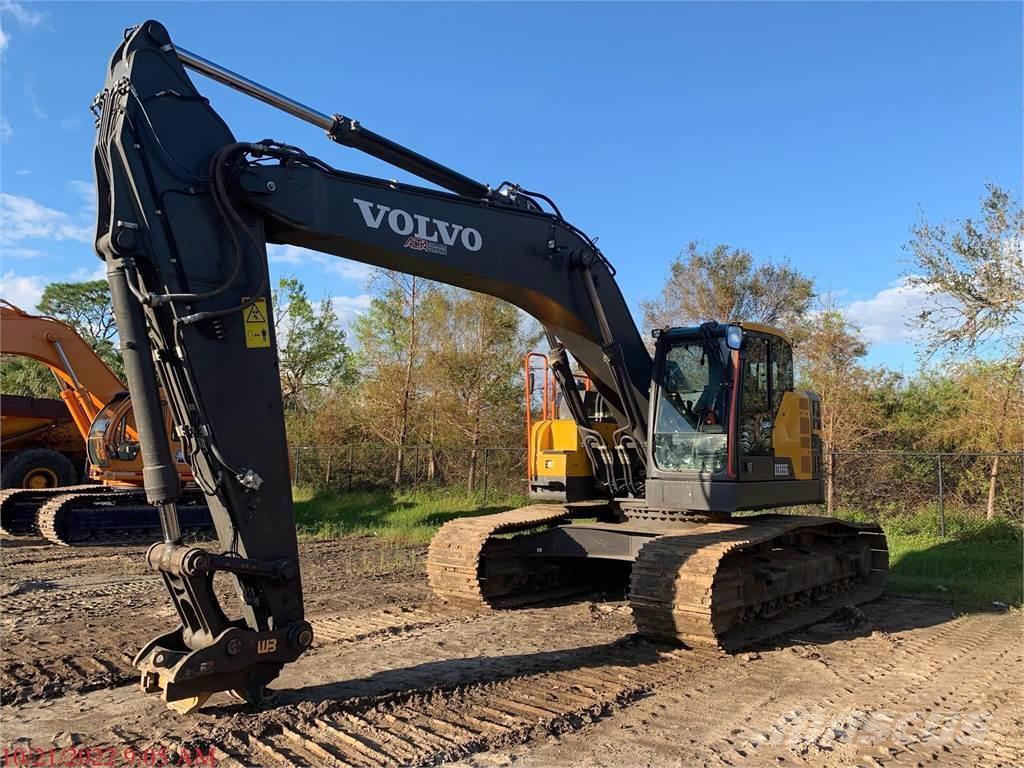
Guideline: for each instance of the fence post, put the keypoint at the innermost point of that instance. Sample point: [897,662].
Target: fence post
[830,490]
[330,455]
[486,451]
[942,503]
[350,466]
[298,464]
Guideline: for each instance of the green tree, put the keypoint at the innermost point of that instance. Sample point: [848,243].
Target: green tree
[723,283]
[314,356]
[391,352]
[973,272]
[830,363]
[87,308]
[930,401]
[25,377]
[474,369]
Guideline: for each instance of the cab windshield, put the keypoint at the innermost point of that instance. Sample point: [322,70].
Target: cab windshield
[690,432]
[112,434]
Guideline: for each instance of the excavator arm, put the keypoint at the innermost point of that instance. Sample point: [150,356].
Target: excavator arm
[184,216]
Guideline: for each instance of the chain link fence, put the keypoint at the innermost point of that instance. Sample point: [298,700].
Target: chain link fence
[877,483]
[883,483]
[368,466]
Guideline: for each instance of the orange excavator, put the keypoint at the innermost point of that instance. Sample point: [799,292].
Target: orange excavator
[115,510]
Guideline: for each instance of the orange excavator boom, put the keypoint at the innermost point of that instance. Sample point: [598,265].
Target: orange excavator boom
[86,382]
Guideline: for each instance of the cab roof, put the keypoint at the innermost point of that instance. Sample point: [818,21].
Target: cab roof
[770,330]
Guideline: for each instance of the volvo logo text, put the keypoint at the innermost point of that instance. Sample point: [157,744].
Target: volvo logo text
[419,228]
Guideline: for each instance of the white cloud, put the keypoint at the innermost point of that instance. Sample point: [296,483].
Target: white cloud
[22,172]
[97,272]
[22,218]
[891,315]
[293,255]
[33,101]
[21,14]
[348,308]
[23,291]
[19,252]
[5,127]
[86,190]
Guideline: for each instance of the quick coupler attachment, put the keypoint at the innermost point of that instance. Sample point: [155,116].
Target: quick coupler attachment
[208,653]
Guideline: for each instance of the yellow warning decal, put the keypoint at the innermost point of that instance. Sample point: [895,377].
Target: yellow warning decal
[257,329]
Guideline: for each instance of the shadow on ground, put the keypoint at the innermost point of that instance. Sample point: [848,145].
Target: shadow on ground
[888,615]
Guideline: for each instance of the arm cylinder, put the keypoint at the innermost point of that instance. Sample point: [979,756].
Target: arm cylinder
[159,472]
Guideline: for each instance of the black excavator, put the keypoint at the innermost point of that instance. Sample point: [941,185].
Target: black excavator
[708,426]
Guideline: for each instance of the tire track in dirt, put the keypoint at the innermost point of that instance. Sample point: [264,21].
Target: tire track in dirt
[919,703]
[742,744]
[490,650]
[49,555]
[944,693]
[1004,746]
[47,677]
[44,601]
[428,726]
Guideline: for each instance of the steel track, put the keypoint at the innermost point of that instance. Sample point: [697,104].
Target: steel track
[717,586]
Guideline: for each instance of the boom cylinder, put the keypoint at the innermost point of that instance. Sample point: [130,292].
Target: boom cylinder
[341,129]
[245,85]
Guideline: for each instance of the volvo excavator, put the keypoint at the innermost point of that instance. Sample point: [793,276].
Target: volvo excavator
[115,511]
[708,426]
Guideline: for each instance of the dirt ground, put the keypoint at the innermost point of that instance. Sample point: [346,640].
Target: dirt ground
[396,679]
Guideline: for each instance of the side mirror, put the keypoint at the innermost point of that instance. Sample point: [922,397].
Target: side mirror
[734,337]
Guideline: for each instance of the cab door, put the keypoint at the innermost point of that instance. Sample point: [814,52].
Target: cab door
[767,376]
[756,457]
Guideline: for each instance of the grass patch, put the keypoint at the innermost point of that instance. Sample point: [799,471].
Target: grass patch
[979,562]
[406,515]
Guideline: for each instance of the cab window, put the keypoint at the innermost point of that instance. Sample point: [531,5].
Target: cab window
[755,379]
[756,416]
[689,431]
[782,371]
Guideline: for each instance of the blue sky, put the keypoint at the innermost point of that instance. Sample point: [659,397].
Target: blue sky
[806,131]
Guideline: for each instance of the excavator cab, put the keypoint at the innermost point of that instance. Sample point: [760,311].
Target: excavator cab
[692,410]
[729,430]
[113,444]
[112,435]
